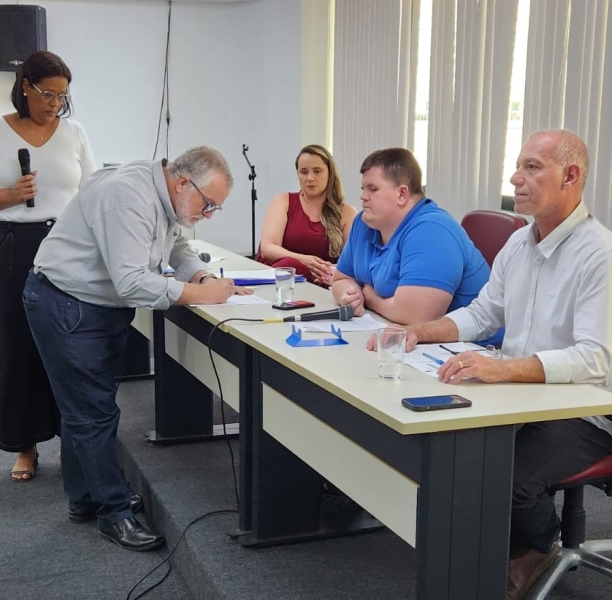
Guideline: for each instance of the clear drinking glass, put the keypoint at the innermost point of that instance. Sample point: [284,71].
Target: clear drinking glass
[285,282]
[391,344]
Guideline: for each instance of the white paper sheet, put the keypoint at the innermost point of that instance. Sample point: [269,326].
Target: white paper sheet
[200,246]
[236,300]
[364,323]
[428,357]
[251,274]
[215,259]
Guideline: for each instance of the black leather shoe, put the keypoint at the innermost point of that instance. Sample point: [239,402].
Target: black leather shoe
[136,503]
[131,535]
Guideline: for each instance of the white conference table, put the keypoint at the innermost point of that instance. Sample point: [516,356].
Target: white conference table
[440,480]
[183,407]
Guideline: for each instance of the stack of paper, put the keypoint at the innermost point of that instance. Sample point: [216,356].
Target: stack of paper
[364,323]
[255,277]
[428,357]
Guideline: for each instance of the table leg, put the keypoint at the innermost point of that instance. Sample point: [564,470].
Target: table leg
[464,514]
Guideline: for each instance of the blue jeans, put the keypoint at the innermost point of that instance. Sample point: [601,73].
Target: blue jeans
[81,346]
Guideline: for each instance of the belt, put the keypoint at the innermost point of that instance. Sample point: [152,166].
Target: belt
[15,225]
[42,277]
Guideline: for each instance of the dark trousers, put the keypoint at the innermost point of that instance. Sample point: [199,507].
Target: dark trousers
[81,346]
[545,454]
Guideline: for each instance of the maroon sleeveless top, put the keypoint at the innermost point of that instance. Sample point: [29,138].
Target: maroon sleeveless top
[302,235]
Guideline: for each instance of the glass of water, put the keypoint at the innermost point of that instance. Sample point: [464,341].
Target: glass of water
[391,344]
[285,281]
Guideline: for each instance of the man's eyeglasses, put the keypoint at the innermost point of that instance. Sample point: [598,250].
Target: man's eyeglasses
[49,96]
[209,206]
[490,349]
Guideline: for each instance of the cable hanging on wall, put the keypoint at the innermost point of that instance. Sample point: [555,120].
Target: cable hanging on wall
[165,99]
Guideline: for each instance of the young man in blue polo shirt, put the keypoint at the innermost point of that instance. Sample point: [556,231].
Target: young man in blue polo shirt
[406,258]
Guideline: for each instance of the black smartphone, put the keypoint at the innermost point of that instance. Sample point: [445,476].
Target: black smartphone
[293,305]
[436,402]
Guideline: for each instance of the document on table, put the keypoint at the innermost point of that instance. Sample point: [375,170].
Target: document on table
[428,357]
[236,300]
[364,323]
[250,274]
[256,277]
[201,246]
[214,259]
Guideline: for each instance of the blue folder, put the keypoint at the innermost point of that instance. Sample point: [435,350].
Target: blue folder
[267,281]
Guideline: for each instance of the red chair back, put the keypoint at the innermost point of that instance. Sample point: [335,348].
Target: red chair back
[597,474]
[490,230]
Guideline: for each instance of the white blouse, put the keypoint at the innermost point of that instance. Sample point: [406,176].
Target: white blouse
[61,165]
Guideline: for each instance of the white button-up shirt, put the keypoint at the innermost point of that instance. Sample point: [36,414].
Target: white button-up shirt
[555,300]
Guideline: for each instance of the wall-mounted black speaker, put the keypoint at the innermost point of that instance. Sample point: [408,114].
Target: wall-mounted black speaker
[23,30]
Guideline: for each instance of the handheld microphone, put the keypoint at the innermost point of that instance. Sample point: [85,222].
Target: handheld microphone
[204,257]
[342,313]
[23,155]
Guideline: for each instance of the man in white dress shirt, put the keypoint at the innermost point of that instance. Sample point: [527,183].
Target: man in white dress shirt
[551,287]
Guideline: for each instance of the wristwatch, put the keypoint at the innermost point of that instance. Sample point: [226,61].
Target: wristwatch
[207,276]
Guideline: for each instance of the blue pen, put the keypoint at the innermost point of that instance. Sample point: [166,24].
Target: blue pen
[436,360]
[221,272]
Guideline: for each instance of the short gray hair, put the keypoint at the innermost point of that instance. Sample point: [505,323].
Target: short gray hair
[570,150]
[201,164]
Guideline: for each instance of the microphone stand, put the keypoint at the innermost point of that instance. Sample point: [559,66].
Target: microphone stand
[252,176]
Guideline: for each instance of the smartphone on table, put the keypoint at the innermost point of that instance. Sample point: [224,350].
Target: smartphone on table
[293,305]
[436,402]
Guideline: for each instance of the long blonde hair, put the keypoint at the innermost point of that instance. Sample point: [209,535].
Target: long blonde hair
[331,215]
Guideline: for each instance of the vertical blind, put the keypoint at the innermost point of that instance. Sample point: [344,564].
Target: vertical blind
[373,77]
[568,81]
[375,62]
[471,66]
[569,85]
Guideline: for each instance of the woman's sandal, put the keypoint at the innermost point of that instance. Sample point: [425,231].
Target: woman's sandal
[19,475]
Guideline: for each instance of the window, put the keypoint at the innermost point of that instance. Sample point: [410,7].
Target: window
[514,133]
[421,115]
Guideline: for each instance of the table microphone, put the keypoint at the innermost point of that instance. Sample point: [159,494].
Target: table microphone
[343,313]
[23,154]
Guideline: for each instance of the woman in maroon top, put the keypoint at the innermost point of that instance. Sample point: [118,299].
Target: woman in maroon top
[308,229]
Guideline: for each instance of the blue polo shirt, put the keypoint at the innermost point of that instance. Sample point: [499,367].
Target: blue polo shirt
[428,249]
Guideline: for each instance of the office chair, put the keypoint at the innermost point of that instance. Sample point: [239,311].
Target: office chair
[490,230]
[575,551]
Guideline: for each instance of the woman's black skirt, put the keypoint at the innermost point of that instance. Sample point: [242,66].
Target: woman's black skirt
[28,413]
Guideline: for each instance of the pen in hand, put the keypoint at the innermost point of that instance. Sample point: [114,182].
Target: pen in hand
[433,358]
[221,272]
[453,352]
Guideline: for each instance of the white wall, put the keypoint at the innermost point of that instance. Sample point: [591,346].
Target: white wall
[234,79]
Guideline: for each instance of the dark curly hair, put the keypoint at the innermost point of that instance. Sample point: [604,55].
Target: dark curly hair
[36,67]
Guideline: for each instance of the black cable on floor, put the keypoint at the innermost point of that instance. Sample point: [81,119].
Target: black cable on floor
[196,520]
[235,477]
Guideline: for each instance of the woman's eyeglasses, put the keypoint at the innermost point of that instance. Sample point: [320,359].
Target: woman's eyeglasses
[49,96]
[209,206]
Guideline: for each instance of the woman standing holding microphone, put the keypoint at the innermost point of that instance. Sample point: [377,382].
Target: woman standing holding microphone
[61,159]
